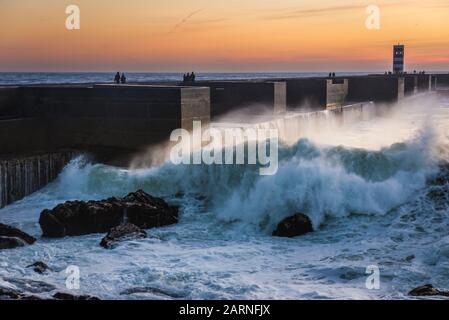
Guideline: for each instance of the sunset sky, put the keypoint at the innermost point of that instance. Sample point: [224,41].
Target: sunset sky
[221,36]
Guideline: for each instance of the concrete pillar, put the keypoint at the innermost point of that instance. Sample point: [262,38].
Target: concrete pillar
[415,88]
[401,88]
[280,97]
[195,106]
[336,93]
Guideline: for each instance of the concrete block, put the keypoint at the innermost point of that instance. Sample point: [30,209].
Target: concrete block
[336,93]
[388,88]
[240,98]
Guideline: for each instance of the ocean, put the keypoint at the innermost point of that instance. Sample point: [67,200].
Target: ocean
[34,78]
[376,190]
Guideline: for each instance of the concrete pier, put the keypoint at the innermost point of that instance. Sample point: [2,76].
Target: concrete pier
[410,85]
[315,93]
[100,119]
[442,81]
[377,88]
[246,97]
[297,124]
[424,83]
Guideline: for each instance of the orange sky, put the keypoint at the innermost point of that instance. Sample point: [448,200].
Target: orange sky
[223,36]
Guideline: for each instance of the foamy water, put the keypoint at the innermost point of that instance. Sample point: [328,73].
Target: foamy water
[367,188]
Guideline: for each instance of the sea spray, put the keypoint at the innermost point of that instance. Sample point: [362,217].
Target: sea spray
[319,181]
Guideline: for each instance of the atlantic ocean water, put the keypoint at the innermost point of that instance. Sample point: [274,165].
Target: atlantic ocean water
[39,78]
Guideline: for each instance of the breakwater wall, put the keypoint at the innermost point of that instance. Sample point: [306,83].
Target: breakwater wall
[106,120]
[385,89]
[24,175]
[315,93]
[297,124]
[250,97]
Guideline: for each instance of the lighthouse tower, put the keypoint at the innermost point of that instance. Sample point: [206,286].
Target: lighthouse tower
[398,58]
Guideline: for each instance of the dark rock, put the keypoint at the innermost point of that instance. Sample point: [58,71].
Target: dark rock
[293,226]
[11,237]
[10,243]
[69,296]
[123,232]
[427,290]
[8,294]
[29,285]
[74,218]
[39,267]
[153,291]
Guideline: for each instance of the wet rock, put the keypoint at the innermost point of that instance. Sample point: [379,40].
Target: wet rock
[293,226]
[29,285]
[39,267]
[69,296]
[153,291]
[11,237]
[74,218]
[427,290]
[9,294]
[123,232]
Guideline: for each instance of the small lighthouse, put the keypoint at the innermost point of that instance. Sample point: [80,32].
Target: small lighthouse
[398,58]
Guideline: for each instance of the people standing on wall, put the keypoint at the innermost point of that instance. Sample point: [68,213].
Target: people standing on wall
[189,77]
[117,78]
[123,79]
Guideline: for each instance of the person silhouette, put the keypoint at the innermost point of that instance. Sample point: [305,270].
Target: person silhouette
[123,78]
[192,77]
[117,78]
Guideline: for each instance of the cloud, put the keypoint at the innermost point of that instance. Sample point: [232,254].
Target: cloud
[184,20]
[310,12]
[301,13]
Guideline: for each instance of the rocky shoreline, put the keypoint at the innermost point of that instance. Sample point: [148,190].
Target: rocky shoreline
[75,218]
[122,218]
